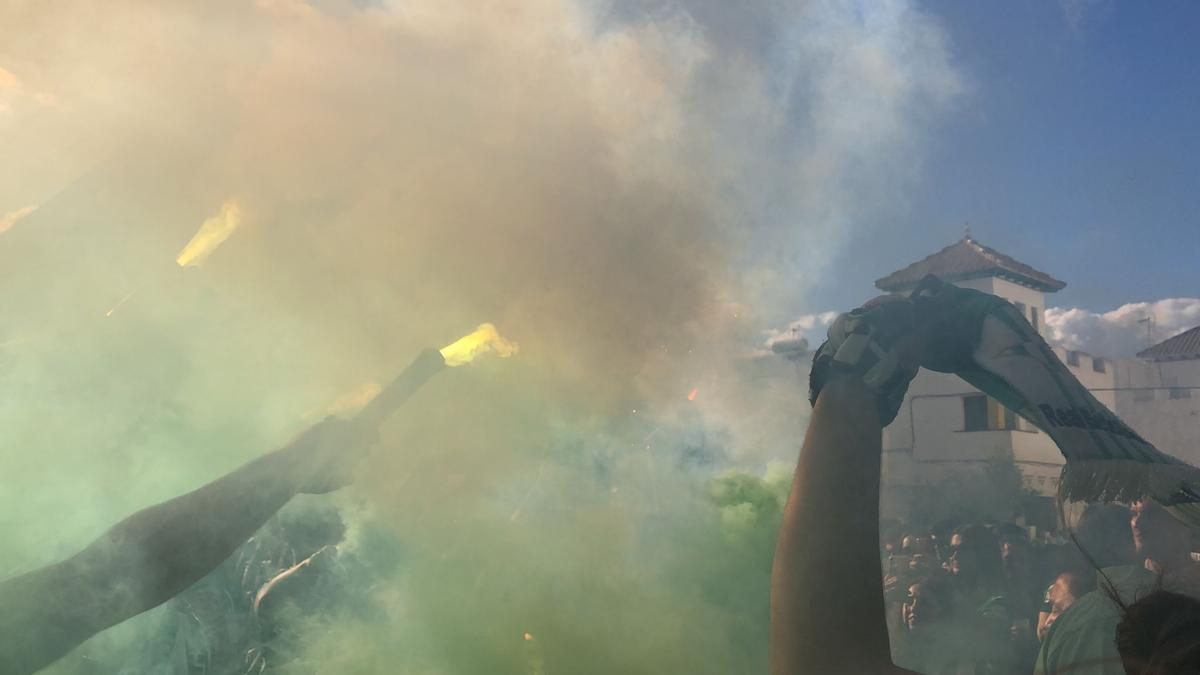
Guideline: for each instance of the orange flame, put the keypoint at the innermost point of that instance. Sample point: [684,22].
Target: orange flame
[485,339]
[692,394]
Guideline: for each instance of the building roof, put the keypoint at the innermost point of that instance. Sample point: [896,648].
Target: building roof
[1186,345]
[968,259]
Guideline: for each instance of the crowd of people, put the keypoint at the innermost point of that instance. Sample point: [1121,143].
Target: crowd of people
[977,597]
[988,599]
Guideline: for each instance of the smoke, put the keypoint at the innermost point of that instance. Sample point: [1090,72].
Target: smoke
[631,191]
[811,327]
[1123,331]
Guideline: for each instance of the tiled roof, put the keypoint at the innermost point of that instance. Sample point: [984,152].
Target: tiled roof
[968,259]
[1186,345]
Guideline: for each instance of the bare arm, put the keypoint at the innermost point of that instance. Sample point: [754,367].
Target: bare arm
[154,554]
[827,607]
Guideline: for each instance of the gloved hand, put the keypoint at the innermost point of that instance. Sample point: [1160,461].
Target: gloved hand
[879,343]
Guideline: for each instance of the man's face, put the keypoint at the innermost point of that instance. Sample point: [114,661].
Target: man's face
[1156,534]
[922,608]
[1060,594]
[962,561]
[1013,555]
[955,540]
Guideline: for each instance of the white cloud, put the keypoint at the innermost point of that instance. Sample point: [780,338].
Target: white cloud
[1123,331]
[808,326]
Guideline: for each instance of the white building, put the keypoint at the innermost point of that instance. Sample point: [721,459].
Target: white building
[946,427]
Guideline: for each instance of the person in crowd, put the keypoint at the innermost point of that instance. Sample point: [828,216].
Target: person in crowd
[1068,587]
[1083,638]
[1139,552]
[156,553]
[930,640]
[1164,542]
[1020,590]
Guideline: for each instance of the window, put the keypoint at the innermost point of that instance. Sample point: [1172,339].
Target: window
[975,413]
[999,417]
[1176,392]
[1098,365]
[981,413]
[1072,358]
[1033,317]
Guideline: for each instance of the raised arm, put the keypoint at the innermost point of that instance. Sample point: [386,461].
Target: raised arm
[827,606]
[154,554]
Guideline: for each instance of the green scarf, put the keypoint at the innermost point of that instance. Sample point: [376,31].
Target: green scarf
[986,341]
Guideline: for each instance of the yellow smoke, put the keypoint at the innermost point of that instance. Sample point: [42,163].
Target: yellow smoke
[485,339]
[212,233]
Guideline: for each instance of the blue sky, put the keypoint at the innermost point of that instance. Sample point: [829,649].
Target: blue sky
[1074,150]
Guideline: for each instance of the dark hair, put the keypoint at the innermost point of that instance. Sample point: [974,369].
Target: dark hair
[1079,581]
[1160,634]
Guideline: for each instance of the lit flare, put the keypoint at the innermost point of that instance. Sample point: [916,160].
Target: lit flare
[13,217]
[212,233]
[485,339]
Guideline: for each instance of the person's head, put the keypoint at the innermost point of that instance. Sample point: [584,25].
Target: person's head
[906,544]
[1014,554]
[1069,586]
[1160,634]
[1103,533]
[927,603]
[1158,536]
[956,539]
[977,557]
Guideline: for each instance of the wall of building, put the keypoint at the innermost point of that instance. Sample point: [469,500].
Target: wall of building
[1161,401]
[1034,301]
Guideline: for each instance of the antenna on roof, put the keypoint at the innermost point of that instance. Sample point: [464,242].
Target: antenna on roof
[1149,321]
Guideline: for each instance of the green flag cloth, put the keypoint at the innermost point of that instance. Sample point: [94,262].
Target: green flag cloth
[986,341]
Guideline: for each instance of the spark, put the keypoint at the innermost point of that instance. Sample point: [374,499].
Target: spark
[121,302]
[528,493]
[692,393]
